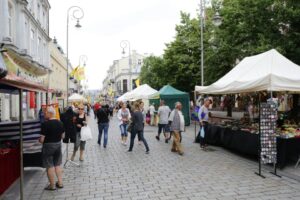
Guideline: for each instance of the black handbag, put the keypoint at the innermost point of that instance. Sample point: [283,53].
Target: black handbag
[130,127]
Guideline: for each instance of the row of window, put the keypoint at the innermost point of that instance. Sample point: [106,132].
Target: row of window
[32,41]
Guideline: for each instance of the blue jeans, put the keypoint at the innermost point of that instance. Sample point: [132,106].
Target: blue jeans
[123,128]
[103,127]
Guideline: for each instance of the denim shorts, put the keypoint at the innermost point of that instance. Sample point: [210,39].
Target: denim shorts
[51,154]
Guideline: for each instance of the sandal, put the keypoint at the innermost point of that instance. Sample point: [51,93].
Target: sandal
[50,188]
[59,186]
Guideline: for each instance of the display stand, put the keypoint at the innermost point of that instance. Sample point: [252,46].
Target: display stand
[267,135]
[259,149]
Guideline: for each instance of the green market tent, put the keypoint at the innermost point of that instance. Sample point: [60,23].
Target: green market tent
[171,95]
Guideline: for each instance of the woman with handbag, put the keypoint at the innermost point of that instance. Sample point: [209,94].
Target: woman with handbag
[137,121]
[124,117]
[203,119]
[80,121]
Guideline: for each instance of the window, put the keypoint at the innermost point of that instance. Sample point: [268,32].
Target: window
[26,33]
[38,13]
[10,20]
[139,62]
[40,49]
[32,47]
[125,88]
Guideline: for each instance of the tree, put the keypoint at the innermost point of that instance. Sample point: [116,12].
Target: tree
[248,28]
[151,72]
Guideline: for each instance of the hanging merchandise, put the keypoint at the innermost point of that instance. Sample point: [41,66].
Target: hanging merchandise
[32,102]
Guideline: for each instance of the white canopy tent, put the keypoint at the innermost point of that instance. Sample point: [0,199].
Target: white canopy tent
[268,71]
[142,92]
[77,97]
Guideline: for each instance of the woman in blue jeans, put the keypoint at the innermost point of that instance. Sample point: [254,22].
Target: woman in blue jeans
[124,117]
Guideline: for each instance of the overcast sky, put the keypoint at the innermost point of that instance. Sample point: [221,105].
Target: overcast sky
[147,24]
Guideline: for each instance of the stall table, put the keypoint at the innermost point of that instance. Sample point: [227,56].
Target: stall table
[248,143]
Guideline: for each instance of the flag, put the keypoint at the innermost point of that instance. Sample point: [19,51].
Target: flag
[74,71]
[80,75]
[137,82]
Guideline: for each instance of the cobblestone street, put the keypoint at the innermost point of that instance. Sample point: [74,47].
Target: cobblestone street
[113,173]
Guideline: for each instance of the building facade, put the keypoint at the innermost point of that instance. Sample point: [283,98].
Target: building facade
[58,74]
[24,43]
[122,75]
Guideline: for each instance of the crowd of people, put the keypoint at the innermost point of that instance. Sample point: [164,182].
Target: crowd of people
[131,118]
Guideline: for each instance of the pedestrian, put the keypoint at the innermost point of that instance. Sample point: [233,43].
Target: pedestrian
[80,121]
[137,121]
[152,114]
[52,132]
[141,105]
[103,124]
[163,114]
[68,119]
[124,117]
[203,119]
[176,121]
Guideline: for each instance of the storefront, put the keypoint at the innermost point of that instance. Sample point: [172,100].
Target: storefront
[22,91]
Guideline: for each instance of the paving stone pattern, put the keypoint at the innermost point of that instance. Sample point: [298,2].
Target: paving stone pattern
[113,173]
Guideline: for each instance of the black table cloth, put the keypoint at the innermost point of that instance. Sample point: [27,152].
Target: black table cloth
[247,143]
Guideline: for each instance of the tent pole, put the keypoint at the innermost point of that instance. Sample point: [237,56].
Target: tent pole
[21,143]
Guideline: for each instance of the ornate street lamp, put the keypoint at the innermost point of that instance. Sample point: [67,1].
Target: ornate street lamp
[77,13]
[124,44]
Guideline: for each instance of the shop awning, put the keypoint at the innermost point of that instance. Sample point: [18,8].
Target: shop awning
[19,77]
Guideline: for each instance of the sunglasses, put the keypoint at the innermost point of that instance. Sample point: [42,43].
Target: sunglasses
[80,108]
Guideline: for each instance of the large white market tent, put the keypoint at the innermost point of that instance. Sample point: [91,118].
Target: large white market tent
[268,71]
[142,92]
[77,97]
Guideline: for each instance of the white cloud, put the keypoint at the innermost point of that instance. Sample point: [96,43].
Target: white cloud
[147,24]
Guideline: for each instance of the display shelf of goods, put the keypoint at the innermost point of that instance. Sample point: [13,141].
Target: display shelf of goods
[289,131]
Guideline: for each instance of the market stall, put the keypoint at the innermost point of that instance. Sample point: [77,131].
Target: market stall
[264,77]
[19,146]
[171,95]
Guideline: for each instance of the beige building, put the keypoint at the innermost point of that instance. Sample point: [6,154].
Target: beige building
[122,75]
[58,75]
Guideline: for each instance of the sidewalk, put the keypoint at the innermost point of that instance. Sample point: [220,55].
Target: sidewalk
[112,173]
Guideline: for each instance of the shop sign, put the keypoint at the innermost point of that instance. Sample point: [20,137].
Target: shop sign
[16,69]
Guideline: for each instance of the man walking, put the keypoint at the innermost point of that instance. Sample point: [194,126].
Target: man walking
[163,114]
[176,120]
[203,119]
[103,124]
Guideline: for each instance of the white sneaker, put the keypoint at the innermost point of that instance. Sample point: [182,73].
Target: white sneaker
[125,143]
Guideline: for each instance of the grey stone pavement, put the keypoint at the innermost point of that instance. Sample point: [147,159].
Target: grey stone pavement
[113,173]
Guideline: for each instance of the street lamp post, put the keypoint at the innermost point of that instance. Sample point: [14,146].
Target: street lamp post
[123,45]
[217,20]
[75,10]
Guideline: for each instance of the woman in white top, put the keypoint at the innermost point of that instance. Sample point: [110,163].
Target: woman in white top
[124,117]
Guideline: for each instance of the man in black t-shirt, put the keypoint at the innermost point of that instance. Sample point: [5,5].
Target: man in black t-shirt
[103,124]
[51,134]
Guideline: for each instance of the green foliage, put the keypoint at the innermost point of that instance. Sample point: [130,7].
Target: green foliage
[248,28]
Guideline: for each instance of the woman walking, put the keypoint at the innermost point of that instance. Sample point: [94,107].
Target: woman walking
[124,117]
[80,121]
[51,134]
[137,127]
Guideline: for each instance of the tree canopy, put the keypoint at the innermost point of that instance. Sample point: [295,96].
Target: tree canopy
[248,28]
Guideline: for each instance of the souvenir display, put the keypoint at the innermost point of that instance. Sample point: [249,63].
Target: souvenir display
[268,117]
